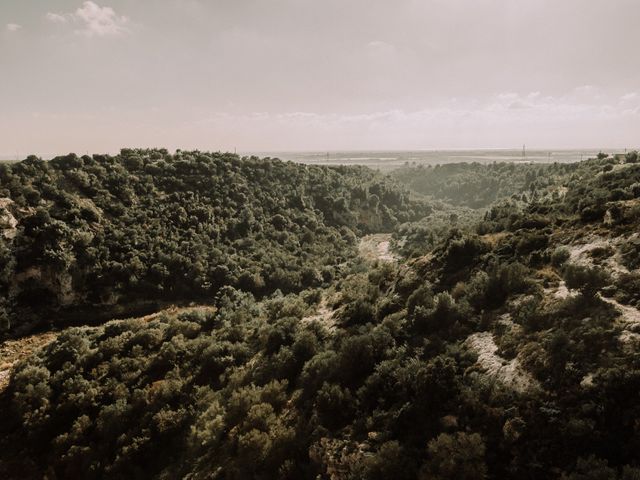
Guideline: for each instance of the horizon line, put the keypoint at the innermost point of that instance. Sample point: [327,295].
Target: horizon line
[612,150]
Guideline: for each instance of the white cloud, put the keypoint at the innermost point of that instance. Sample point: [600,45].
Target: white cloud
[57,18]
[515,101]
[13,27]
[587,93]
[378,44]
[629,97]
[94,20]
[101,21]
[380,47]
[504,120]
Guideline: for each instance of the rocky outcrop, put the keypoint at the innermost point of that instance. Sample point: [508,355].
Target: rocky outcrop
[8,222]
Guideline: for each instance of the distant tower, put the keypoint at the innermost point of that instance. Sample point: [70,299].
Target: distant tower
[524,152]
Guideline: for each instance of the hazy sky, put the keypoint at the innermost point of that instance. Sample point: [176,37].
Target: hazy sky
[318,74]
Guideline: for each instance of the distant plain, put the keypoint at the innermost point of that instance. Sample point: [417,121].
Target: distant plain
[388,160]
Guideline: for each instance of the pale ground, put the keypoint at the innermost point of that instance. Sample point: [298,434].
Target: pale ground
[508,372]
[506,321]
[629,316]
[579,254]
[323,315]
[587,380]
[630,319]
[562,292]
[376,247]
[8,223]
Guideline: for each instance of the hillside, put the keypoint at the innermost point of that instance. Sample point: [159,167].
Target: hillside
[85,239]
[477,185]
[494,342]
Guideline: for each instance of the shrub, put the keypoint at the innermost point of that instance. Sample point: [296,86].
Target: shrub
[588,280]
[559,256]
[459,456]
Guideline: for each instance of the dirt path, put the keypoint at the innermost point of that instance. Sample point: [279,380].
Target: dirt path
[377,247]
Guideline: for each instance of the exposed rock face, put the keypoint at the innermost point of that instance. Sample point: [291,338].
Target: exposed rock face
[8,222]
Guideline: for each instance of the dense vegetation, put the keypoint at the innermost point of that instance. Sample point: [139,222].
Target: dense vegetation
[118,234]
[504,345]
[477,185]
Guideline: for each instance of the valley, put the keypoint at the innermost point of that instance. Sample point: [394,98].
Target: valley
[318,322]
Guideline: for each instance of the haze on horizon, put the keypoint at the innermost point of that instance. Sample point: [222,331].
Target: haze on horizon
[290,75]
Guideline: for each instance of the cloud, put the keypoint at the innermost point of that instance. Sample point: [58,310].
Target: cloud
[515,101]
[93,20]
[100,21]
[502,120]
[56,18]
[13,27]
[379,44]
[380,47]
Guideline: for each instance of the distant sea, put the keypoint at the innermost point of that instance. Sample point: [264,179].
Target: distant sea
[387,160]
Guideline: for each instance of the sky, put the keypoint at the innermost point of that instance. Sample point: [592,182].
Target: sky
[286,75]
